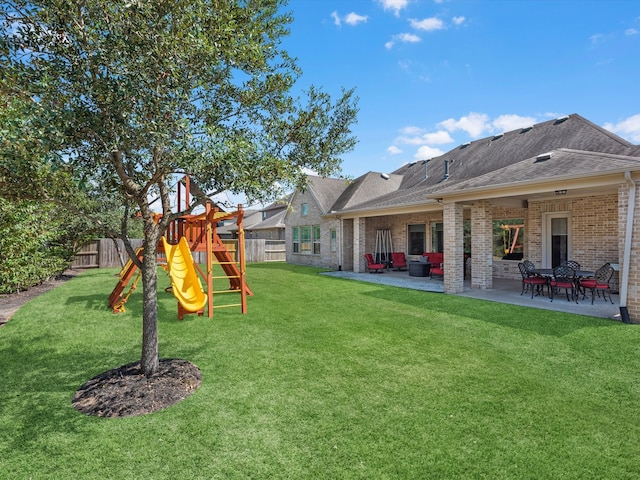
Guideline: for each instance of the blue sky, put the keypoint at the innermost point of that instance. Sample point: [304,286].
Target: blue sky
[432,74]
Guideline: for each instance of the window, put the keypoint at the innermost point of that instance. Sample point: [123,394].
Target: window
[508,236]
[296,239]
[316,239]
[304,210]
[437,237]
[334,240]
[305,239]
[416,239]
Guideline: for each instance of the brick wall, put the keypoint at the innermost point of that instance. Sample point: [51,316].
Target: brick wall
[294,218]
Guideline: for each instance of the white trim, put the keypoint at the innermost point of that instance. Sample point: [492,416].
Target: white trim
[546,236]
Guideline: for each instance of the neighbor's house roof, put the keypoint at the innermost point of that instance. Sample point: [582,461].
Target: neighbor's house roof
[274,221]
[414,186]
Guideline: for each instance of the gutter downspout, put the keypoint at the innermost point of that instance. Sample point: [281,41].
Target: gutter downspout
[626,255]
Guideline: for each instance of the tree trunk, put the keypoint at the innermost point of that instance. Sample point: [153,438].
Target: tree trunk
[150,358]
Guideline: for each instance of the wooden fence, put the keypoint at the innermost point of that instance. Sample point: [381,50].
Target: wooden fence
[104,253]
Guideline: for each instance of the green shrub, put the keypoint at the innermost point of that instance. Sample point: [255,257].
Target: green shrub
[30,245]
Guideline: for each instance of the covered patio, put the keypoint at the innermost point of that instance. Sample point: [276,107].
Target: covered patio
[503,291]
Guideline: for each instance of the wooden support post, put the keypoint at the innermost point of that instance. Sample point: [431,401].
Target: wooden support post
[209,244]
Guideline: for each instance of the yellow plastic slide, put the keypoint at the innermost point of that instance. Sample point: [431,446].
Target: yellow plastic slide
[185,281]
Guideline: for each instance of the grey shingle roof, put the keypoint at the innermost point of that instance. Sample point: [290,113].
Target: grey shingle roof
[275,221]
[490,154]
[563,164]
[364,188]
[326,190]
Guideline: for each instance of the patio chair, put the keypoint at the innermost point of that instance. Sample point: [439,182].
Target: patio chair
[573,264]
[563,277]
[530,280]
[372,265]
[599,283]
[399,260]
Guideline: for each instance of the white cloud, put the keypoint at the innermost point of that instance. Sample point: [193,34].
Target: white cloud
[336,18]
[458,20]
[597,38]
[411,130]
[428,24]
[402,37]
[416,136]
[393,150]
[407,37]
[475,124]
[354,19]
[631,31]
[628,128]
[425,152]
[350,18]
[395,5]
[438,138]
[506,123]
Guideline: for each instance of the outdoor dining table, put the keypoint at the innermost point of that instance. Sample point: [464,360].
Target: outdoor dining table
[548,272]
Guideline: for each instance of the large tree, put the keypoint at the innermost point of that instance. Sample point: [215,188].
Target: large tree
[126,94]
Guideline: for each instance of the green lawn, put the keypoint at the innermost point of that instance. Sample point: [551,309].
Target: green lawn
[325,378]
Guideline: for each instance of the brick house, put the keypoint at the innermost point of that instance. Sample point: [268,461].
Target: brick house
[571,184]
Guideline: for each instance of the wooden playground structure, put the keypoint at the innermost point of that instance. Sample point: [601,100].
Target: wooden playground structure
[184,236]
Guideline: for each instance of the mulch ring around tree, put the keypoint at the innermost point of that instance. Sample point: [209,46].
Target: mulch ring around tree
[126,392]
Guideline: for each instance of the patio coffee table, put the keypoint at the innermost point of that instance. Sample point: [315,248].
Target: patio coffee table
[419,269]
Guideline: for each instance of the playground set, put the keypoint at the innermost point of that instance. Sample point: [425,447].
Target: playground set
[184,236]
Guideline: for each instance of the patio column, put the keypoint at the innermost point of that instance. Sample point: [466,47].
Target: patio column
[453,247]
[632,277]
[481,245]
[359,237]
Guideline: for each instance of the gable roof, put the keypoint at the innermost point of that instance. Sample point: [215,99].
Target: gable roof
[368,186]
[326,191]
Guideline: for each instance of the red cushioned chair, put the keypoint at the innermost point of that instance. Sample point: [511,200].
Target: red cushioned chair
[436,259]
[600,283]
[372,265]
[563,277]
[399,260]
[529,280]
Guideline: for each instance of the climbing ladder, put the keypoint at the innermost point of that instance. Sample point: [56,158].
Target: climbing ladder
[234,270]
[116,300]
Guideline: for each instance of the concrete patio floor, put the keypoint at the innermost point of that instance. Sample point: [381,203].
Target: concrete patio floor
[503,291]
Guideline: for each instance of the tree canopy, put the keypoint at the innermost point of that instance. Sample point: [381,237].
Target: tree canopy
[121,96]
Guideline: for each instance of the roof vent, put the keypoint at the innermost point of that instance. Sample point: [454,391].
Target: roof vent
[384,176]
[544,156]
[446,169]
[562,119]
[497,136]
[465,145]
[526,129]
[426,173]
